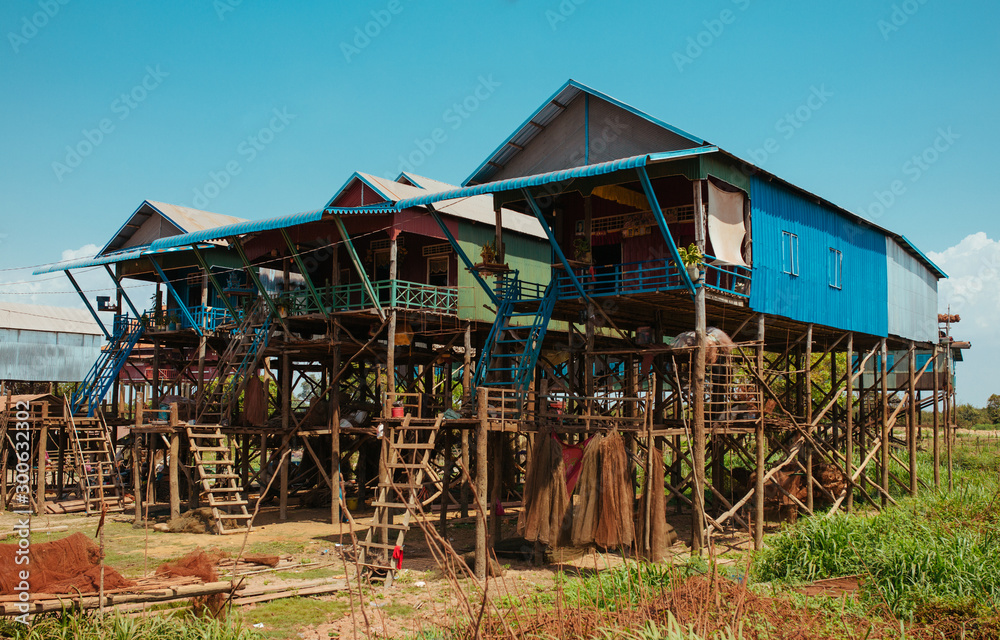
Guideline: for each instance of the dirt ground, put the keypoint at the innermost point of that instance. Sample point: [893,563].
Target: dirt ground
[422,598]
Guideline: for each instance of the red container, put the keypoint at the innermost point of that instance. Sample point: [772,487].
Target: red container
[397,412]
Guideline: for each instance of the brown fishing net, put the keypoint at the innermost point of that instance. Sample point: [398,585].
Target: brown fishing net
[68,565]
[653,539]
[198,563]
[545,497]
[201,564]
[603,514]
[614,526]
[585,511]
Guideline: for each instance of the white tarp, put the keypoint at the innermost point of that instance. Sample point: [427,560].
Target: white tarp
[725,225]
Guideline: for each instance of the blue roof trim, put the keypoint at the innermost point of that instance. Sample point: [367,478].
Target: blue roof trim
[512,184]
[130,254]
[238,229]
[929,262]
[582,87]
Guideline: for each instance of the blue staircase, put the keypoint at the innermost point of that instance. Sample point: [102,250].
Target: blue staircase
[512,347]
[240,359]
[109,364]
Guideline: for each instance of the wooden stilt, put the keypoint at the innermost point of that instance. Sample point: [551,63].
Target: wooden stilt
[698,388]
[936,370]
[481,476]
[849,420]
[286,415]
[808,406]
[884,418]
[760,446]
[911,421]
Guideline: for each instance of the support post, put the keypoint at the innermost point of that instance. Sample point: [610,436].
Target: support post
[481,478]
[43,443]
[286,414]
[215,283]
[305,272]
[807,399]
[90,307]
[335,431]
[467,394]
[936,369]
[948,431]
[884,417]
[911,420]
[849,419]
[175,451]
[760,450]
[177,298]
[698,388]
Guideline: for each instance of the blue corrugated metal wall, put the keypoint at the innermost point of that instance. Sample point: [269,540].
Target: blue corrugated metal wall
[860,305]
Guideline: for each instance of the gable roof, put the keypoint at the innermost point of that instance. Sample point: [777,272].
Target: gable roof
[548,113]
[472,208]
[154,220]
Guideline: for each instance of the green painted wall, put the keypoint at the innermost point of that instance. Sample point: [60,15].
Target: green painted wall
[530,256]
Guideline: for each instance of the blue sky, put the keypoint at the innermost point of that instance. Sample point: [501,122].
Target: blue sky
[257,109]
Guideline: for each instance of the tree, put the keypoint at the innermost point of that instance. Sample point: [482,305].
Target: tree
[968,416]
[993,409]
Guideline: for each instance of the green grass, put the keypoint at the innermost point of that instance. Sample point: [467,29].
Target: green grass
[937,552]
[115,627]
[284,618]
[308,574]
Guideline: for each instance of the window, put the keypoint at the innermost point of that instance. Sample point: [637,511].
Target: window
[437,270]
[789,253]
[835,268]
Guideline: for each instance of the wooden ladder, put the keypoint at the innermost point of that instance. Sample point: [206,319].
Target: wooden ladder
[94,461]
[406,449]
[218,478]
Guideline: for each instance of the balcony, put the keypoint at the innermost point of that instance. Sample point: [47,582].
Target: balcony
[399,294]
[651,276]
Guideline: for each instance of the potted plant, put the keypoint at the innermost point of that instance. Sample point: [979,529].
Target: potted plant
[582,250]
[489,252]
[171,322]
[693,260]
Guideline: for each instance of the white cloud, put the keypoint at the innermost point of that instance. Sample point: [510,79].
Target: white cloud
[972,290]
[55,289]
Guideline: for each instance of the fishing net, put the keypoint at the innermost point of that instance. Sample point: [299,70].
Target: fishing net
[545,497]
[68,565]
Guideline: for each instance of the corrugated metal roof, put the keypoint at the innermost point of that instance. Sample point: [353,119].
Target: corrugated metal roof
[227,231]
[587,171]
[921,255]
[185,219]
[546,114]
[113,258]
[34,317]
[474,208]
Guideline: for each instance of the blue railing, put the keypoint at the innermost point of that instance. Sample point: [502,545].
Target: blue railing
[390,293]
[511,287]
[650,276]
[209,317]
